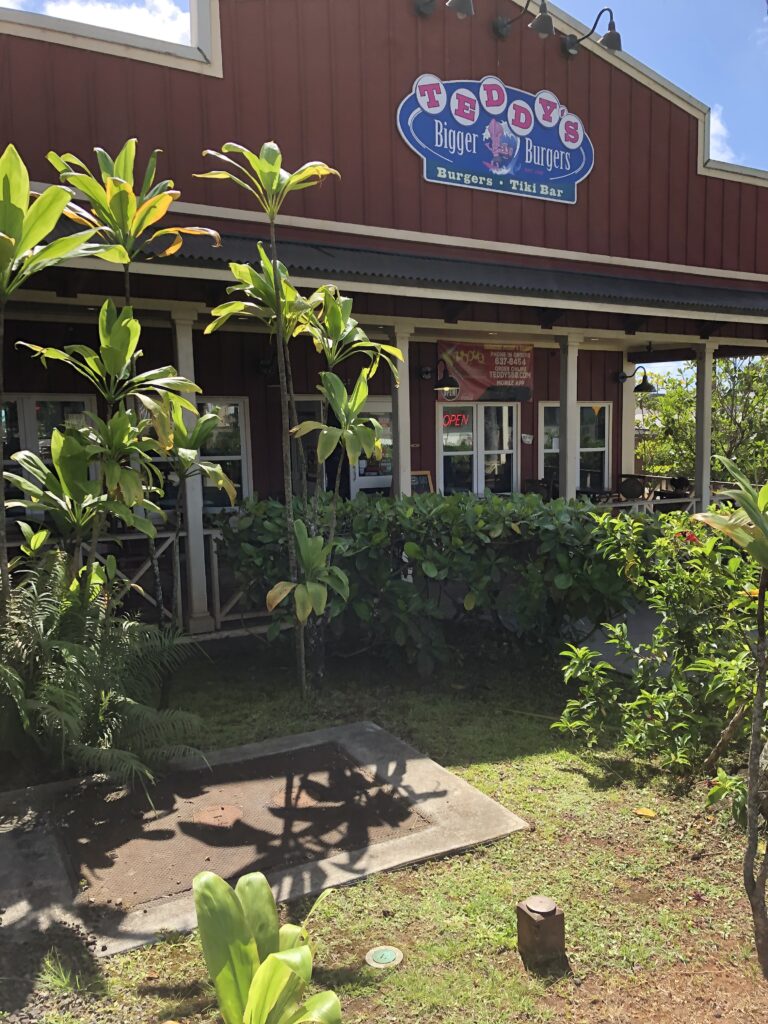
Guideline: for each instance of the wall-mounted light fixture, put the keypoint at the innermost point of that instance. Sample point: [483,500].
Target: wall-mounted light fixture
[611,40]
[424,7]
[446,384]
[644,387]
[542,24]
[461,8]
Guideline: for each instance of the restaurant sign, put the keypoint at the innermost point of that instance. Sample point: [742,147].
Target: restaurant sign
[488,373]
[488,136]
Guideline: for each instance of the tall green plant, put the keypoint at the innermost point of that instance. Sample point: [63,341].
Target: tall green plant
[263,176]
[260,970]
[181,446]
[122,212]
[24,226]
[120,447]
[129,218]
[747,526]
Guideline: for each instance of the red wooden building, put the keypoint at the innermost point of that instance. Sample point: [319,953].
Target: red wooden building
[533,223]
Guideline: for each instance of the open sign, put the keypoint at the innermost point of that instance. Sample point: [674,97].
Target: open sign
[456,419]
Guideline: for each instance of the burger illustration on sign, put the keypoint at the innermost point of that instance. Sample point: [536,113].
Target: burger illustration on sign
[489,136]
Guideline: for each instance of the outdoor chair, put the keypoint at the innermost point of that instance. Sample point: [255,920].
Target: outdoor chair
[541,487]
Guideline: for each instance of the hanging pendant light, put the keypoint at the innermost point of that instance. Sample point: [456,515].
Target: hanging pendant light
[461,8]
[542,24]
[611,40]
[446,384]
[644,387]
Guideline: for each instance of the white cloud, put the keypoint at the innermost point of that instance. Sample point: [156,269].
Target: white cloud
[719,146]
[156,19]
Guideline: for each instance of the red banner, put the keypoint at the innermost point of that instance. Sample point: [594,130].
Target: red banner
[487,373]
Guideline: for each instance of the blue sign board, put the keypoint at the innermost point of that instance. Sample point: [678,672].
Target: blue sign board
[486,135]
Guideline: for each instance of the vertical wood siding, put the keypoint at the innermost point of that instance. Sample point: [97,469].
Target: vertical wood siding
[325,77]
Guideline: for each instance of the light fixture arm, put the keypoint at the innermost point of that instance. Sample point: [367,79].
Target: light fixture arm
[624,377]
[592,31]
[522,13]
[502,25]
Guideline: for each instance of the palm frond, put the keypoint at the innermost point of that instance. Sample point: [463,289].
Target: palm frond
[84,683]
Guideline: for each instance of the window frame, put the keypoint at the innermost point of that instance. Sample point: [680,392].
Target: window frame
[25,400]
[375,406]
[479,450]
[202,54]
[607,451]
[245,440]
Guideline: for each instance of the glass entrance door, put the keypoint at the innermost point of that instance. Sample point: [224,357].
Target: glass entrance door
[477,447]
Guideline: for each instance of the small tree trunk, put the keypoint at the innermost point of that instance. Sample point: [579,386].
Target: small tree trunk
[156,579]
[5,578]
[301,458]
[726,737]
[176,558]
[98,525]
[301,668]
[755,877]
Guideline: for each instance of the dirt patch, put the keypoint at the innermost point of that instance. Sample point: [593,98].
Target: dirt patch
[712,993]
[255,815]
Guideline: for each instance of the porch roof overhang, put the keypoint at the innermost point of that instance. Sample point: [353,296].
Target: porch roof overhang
[405,270]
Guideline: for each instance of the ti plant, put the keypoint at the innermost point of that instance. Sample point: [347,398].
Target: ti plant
[24,226]
[317,576]
[111,372]
[263,176]
[181,445]
[337,336]
[355,433]
[119,447]
[260,971]
[747,526]
[124,217]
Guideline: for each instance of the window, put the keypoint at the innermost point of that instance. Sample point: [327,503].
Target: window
[375,475]
[29,422]
[594,444]
[228,446]
[477,447]
[175,33]
[307,408]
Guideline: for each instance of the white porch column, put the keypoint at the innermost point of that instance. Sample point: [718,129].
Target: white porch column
[570,427]
[401,416]
[628,423]
[198,616]
[705,379]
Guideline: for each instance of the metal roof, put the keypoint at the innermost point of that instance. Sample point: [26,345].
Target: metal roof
[342,264]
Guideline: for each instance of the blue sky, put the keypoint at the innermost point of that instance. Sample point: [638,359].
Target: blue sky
[717,50]
[158,19]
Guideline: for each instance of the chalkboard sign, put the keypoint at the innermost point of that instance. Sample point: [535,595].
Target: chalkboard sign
[421,482]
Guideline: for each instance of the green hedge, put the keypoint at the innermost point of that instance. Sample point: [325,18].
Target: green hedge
[420,568]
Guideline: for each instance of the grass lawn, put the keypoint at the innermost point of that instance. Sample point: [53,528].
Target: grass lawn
[657,925]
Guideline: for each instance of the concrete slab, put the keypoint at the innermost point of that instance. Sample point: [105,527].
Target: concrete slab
[36,890]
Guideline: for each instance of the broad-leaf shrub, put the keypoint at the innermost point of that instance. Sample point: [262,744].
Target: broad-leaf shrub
[259,969]
[677,692]
[420,566]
